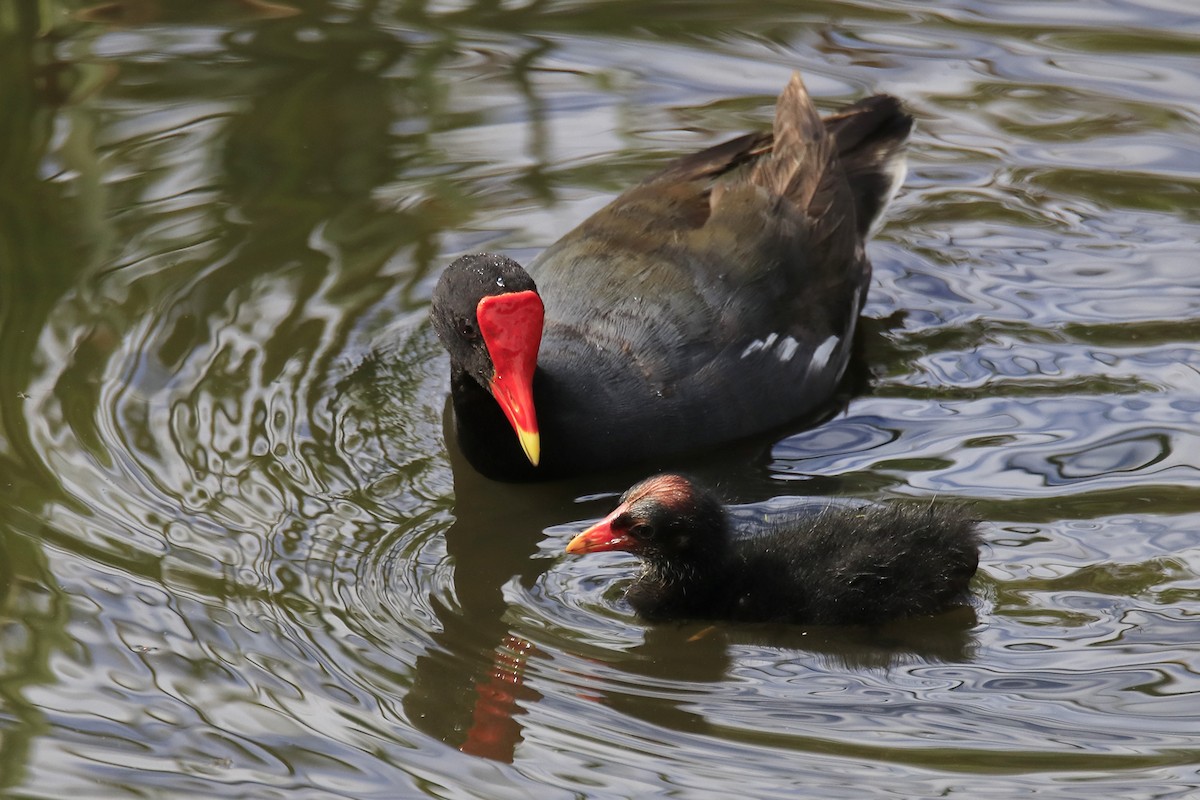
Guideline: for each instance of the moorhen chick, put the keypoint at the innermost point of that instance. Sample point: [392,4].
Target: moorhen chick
[844,565]
[716,299]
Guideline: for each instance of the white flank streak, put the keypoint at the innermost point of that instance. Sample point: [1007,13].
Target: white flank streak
[759,344]
[820,356]
[787,349]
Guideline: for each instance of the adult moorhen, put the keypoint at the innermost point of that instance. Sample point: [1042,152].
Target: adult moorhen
[844,565]
[716,299]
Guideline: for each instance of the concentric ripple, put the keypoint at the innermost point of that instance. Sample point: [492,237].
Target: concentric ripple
[238,557]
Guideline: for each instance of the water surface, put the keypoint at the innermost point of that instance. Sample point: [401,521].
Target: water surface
[238,559]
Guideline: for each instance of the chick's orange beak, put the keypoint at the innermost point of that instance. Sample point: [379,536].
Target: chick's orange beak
[600,538]
[511,326]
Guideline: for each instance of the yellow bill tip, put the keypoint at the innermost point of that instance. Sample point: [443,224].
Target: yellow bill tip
[531,443]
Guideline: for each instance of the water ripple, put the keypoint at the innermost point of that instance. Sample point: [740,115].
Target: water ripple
[238,558]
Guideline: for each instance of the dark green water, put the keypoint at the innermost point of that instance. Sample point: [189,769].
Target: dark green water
[237,558]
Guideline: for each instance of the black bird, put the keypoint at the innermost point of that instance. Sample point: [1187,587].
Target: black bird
[844,565]
[716,299]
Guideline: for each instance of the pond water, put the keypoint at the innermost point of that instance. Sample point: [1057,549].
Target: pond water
[238,559]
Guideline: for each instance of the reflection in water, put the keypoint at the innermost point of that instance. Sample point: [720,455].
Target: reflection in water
[237,556]
[490,542]
[142,12]
[32,617]
[494,731]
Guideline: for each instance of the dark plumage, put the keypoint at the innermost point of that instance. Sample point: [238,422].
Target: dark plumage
[843,565]
[716,299]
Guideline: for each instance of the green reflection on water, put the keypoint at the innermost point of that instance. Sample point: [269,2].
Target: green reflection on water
[170,173]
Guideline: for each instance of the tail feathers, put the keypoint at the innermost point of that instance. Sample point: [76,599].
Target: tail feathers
[852,161]
[871,137]
[866,140]
[802,151]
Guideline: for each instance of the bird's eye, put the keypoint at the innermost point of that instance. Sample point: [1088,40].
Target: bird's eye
[467,329]
[641,531]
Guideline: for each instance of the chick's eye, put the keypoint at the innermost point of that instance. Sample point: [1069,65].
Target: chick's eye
[641,531]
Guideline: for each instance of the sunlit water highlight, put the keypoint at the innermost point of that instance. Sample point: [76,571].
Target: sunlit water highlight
[238,559]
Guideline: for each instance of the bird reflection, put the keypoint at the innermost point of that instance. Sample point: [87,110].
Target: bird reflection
[494,731]
[944,638]
[469,687]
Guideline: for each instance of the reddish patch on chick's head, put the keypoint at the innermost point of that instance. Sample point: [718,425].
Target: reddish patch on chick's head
[673,492]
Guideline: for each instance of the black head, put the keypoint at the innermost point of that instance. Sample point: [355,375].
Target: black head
[487,313]
[664,518]
[463,284]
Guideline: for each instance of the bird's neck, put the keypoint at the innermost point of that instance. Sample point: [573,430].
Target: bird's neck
[689,584]
[686,574]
